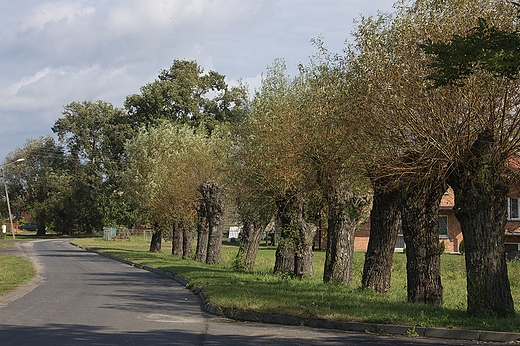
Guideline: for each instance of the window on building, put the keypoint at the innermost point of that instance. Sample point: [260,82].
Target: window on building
[513,209]
[443,226]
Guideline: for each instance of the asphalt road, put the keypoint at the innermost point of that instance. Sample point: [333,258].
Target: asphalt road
[80,298]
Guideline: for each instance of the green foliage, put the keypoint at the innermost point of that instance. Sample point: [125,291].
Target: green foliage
[184,94]
[484,48]
[94,134]
[239,262]
[166,164]
[411,332]
[39,184]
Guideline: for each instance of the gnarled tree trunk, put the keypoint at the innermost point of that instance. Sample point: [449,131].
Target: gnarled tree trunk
[304,256]
[481,209]
[212,197]
[202,232]
[345,210]
[284,257]
[296,239]
[420,212]
[177,244]
[251,236]
[385,221]
[187,243]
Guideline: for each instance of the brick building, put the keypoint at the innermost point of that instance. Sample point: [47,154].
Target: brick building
[449,227]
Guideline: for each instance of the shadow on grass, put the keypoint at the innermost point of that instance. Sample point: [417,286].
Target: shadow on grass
[262,292]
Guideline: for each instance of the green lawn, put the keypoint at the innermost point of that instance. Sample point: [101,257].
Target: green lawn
[14,271]
[261,291]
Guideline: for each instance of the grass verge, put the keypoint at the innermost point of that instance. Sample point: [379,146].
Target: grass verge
[261,291]
[14,271]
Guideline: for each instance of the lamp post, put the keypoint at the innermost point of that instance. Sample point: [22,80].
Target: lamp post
[7,197]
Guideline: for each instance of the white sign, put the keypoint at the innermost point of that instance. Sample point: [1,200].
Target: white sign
[4,229]
[233,232]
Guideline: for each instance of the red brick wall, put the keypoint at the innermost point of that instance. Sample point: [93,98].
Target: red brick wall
[454,232]
[451,243]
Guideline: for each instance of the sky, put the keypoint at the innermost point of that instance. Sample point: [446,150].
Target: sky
[53,53]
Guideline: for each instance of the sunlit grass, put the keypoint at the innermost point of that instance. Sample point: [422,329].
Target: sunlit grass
[14,271]
[261,291]
[5,244]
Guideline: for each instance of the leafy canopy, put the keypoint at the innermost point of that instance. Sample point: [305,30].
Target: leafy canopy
[484,48]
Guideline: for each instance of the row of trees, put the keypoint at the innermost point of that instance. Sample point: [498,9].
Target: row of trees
[378,131]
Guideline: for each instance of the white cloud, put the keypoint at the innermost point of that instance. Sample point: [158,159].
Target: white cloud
[56,52]
[53,12]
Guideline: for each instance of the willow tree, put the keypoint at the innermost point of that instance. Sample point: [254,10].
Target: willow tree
[414,128]
[440,129]
[167,164]
[252,209]
[186,94]
[335,150]
[269,152]
[484,57]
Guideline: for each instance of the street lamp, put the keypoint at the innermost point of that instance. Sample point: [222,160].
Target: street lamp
[7,197]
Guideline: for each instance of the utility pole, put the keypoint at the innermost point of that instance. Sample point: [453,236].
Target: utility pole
[7,198]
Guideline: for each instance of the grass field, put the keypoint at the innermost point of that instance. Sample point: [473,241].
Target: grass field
[14,271]
[261,291]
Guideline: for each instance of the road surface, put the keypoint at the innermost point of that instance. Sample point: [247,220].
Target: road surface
[80,298]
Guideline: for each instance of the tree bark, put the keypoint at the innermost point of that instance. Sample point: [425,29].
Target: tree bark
[251,236]
[284,262]
[202,232]
[187,244]
[296,239]
[304,256]
[156,242]
[481,209]
[419,212]
[385,221]
[212,196]
[285,250]
[345,209]
[42,229]
[177,243]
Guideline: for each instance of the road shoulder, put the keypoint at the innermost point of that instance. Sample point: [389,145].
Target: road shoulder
[22,249]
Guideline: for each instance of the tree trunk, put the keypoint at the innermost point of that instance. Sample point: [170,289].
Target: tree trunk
[284,262]
[385,221]
[177,243]
[156,242]
[285,253]
[202,232]
[420,212]
[296,239]
[187,244]
[251,236]
[42,229]
[212,196]
[202,239]
[345,209]
[304,256]
[481,209]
